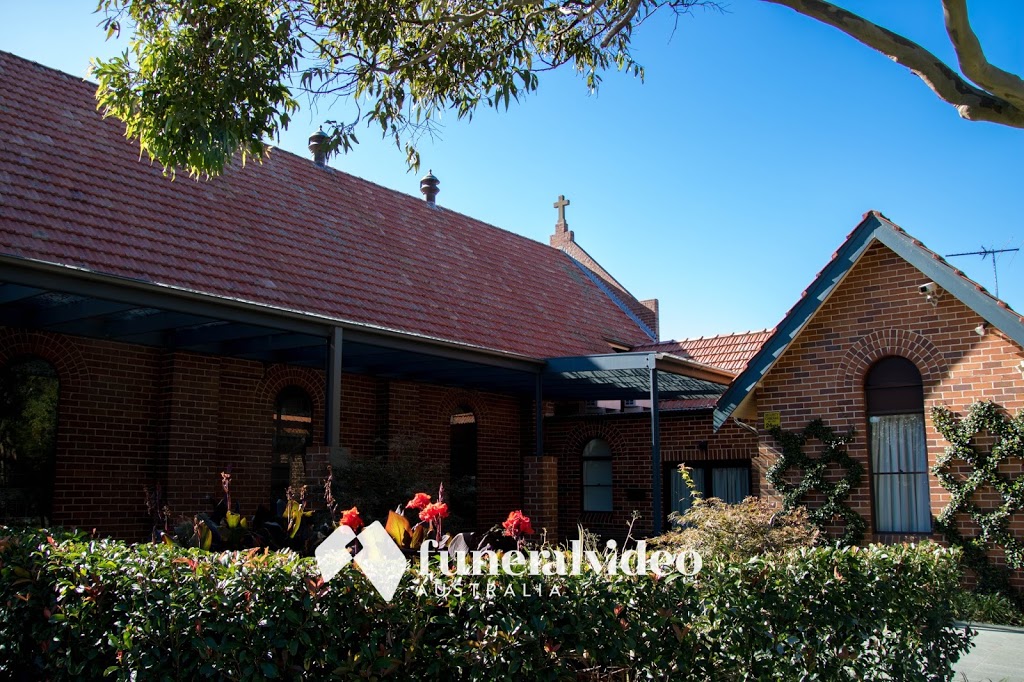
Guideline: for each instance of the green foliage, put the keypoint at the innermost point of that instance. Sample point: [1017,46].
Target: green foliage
[28,412]
[738,532]
[993,522]
[203,79]
[79,608]
[376,484]
[814,476]
[979,607]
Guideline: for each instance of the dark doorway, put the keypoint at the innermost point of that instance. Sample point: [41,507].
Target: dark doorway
[293,433]
[29,393]
[462,495]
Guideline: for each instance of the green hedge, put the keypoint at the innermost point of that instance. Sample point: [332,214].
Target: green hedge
[74,608]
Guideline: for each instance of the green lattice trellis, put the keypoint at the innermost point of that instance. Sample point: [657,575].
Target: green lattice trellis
[813,477]
[993,521]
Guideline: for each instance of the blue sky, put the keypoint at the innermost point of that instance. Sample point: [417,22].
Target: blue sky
[726,181]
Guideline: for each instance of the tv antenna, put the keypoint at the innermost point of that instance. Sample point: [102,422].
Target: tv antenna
[985,253]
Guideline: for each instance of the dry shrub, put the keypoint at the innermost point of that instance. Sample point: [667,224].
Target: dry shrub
[737,532]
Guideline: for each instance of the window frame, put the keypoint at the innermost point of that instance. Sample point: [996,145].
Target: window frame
[708,466]
[584,485]
[281,461]
[903,399]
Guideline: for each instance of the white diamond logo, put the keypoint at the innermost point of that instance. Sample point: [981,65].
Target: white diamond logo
[380,559]
[332,554]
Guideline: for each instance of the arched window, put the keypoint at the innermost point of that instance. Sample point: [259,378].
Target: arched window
[899,450]
[462,494]
[597,476]
[293,433]
[29,393]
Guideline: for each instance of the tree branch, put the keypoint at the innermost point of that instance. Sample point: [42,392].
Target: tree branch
[972,59]
[971,102]
[624,20]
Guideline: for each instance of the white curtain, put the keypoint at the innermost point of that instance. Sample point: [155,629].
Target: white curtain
[731,484]
[899,460]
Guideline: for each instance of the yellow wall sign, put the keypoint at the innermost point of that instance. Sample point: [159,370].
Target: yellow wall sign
[772,420]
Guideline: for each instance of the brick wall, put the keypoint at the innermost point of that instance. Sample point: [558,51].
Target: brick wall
[877,311]
[130,416]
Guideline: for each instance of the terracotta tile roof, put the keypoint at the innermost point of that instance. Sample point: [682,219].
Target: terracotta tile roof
[284,233]
[730,352]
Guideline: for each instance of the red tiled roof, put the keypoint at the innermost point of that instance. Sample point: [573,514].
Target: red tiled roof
[730,352]
[284,233]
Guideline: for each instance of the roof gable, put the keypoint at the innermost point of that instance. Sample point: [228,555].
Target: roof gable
[283,233]
[874,227]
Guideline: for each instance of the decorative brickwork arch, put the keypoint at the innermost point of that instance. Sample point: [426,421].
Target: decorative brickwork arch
[60,351]
[881,343]
[457,398]
[584,433]
[278,377]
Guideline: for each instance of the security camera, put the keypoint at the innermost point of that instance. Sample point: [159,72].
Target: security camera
[931,292]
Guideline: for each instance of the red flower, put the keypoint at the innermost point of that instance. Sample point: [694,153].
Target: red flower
[419,501]
[351,518]
[434,512]
[517,524]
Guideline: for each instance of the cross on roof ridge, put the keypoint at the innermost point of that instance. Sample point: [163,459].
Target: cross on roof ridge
[560,205]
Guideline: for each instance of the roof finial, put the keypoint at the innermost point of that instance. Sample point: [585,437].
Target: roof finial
[318,146]
[429,187]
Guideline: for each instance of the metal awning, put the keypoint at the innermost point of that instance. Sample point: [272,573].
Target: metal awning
[67,300]
[626,376]
[63,299]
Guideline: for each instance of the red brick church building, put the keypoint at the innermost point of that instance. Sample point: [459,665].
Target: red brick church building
[287,315]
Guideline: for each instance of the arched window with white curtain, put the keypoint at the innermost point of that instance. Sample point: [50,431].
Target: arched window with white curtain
[899,448]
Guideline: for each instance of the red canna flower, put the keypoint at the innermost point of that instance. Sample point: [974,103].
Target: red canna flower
[419,501]
[517,524]
[351,518]
[434,512]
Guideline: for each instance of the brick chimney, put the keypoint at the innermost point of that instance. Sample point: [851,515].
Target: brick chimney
[651,319]
[429,187]
[318,147]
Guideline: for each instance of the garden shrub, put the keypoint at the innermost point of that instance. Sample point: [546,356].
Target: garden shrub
[372,483]
[738,532]
[77,608]
[980,607]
